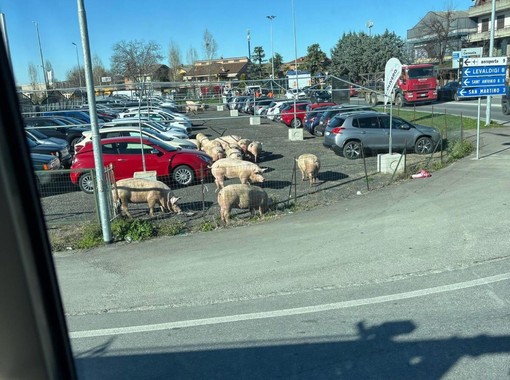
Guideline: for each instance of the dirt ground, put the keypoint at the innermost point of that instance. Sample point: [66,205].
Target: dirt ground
[339,178]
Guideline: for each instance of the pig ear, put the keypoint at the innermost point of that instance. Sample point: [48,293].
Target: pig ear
[262,170]
[174,200]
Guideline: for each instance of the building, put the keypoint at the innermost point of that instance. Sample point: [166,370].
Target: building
[470,28]
[217,70]
[438,34]
[480,13]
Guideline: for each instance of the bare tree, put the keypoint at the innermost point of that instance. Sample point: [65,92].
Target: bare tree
[32,75]
[98,70]
[191,56]
[439,26]
[174,61]
[135,59]
[210,46]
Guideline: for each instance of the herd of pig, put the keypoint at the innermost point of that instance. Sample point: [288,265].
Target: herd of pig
[229,154]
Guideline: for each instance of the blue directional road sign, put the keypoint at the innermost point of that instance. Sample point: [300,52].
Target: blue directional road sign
[478,92]
[477,81]
[481,77]
[483,71]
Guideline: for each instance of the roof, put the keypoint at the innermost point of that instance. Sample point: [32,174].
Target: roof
[228,67]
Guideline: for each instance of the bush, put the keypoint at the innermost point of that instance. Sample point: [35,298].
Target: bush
[133,229]
[92,237]
[460,149]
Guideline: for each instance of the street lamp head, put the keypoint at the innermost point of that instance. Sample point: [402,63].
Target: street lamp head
[271,17]
[73,43]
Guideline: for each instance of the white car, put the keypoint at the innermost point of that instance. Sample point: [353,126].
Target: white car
[167,117]
[274,111]
[147,131]
[295,93]
[176,132]
[158,117]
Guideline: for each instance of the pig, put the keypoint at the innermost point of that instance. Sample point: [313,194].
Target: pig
[234,152]
[139,190]
[226,140]
[242,196]
[255,149]
[214,151]
[243,144]
[247,172]
[201,138]
[309,166]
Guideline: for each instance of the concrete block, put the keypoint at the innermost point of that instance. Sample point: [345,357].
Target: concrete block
[295,134]
[390,163]
[234,113]
[254,120]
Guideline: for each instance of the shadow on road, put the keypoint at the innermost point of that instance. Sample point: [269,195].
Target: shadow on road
[373,353]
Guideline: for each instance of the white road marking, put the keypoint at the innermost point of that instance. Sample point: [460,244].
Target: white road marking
[289,312]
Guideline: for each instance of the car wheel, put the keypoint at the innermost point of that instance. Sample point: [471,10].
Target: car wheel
[505,108]
[317,132]
[74,142]
[455,97]
[399,101]
[86,183]
[352,150]
[423,145]
[296,123]
[183,175]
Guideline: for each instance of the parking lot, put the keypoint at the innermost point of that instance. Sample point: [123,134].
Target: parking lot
[339,178]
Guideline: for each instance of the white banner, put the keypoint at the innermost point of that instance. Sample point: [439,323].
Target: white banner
[392,72]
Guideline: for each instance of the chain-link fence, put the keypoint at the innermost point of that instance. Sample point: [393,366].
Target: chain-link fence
[65,203]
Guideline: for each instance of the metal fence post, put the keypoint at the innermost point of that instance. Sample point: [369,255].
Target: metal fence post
[365,165]
[203,187]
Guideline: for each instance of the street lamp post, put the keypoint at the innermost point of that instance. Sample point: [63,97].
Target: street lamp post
[78,60]
[271,18]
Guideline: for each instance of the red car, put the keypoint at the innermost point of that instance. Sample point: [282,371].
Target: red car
[182,166]
[294,118]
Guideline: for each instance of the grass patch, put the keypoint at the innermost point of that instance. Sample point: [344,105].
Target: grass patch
[171,228]
[91,237]
[460,149]
[133,229]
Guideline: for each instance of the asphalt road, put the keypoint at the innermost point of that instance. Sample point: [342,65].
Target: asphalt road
[410,281]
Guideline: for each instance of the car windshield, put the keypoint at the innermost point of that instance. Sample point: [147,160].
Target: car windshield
[271,246]
[421,72]
[37,134]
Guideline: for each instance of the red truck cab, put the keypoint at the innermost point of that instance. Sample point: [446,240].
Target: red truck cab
[418,83]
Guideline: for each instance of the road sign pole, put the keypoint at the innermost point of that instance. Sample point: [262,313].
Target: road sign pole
[478,129]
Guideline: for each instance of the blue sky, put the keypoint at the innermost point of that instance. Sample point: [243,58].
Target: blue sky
[184,23]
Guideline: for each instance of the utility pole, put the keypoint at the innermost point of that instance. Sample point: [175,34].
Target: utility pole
[249,48]
[491,48]
[78,60]
[271,18]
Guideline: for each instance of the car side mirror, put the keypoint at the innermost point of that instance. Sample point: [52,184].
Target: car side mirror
[155,151]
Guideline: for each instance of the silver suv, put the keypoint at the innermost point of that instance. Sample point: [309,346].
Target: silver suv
[347,133]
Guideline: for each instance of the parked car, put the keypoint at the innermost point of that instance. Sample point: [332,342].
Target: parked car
[53,149]
[448,91]
[182,166]
[313,117]
[295,93]
[294,116]
[159,116]
[370,130]
[331,112]
[54,127]
[41,138]
[173,132]
[319,96]
[45,168]
[273,112]
[116,131]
